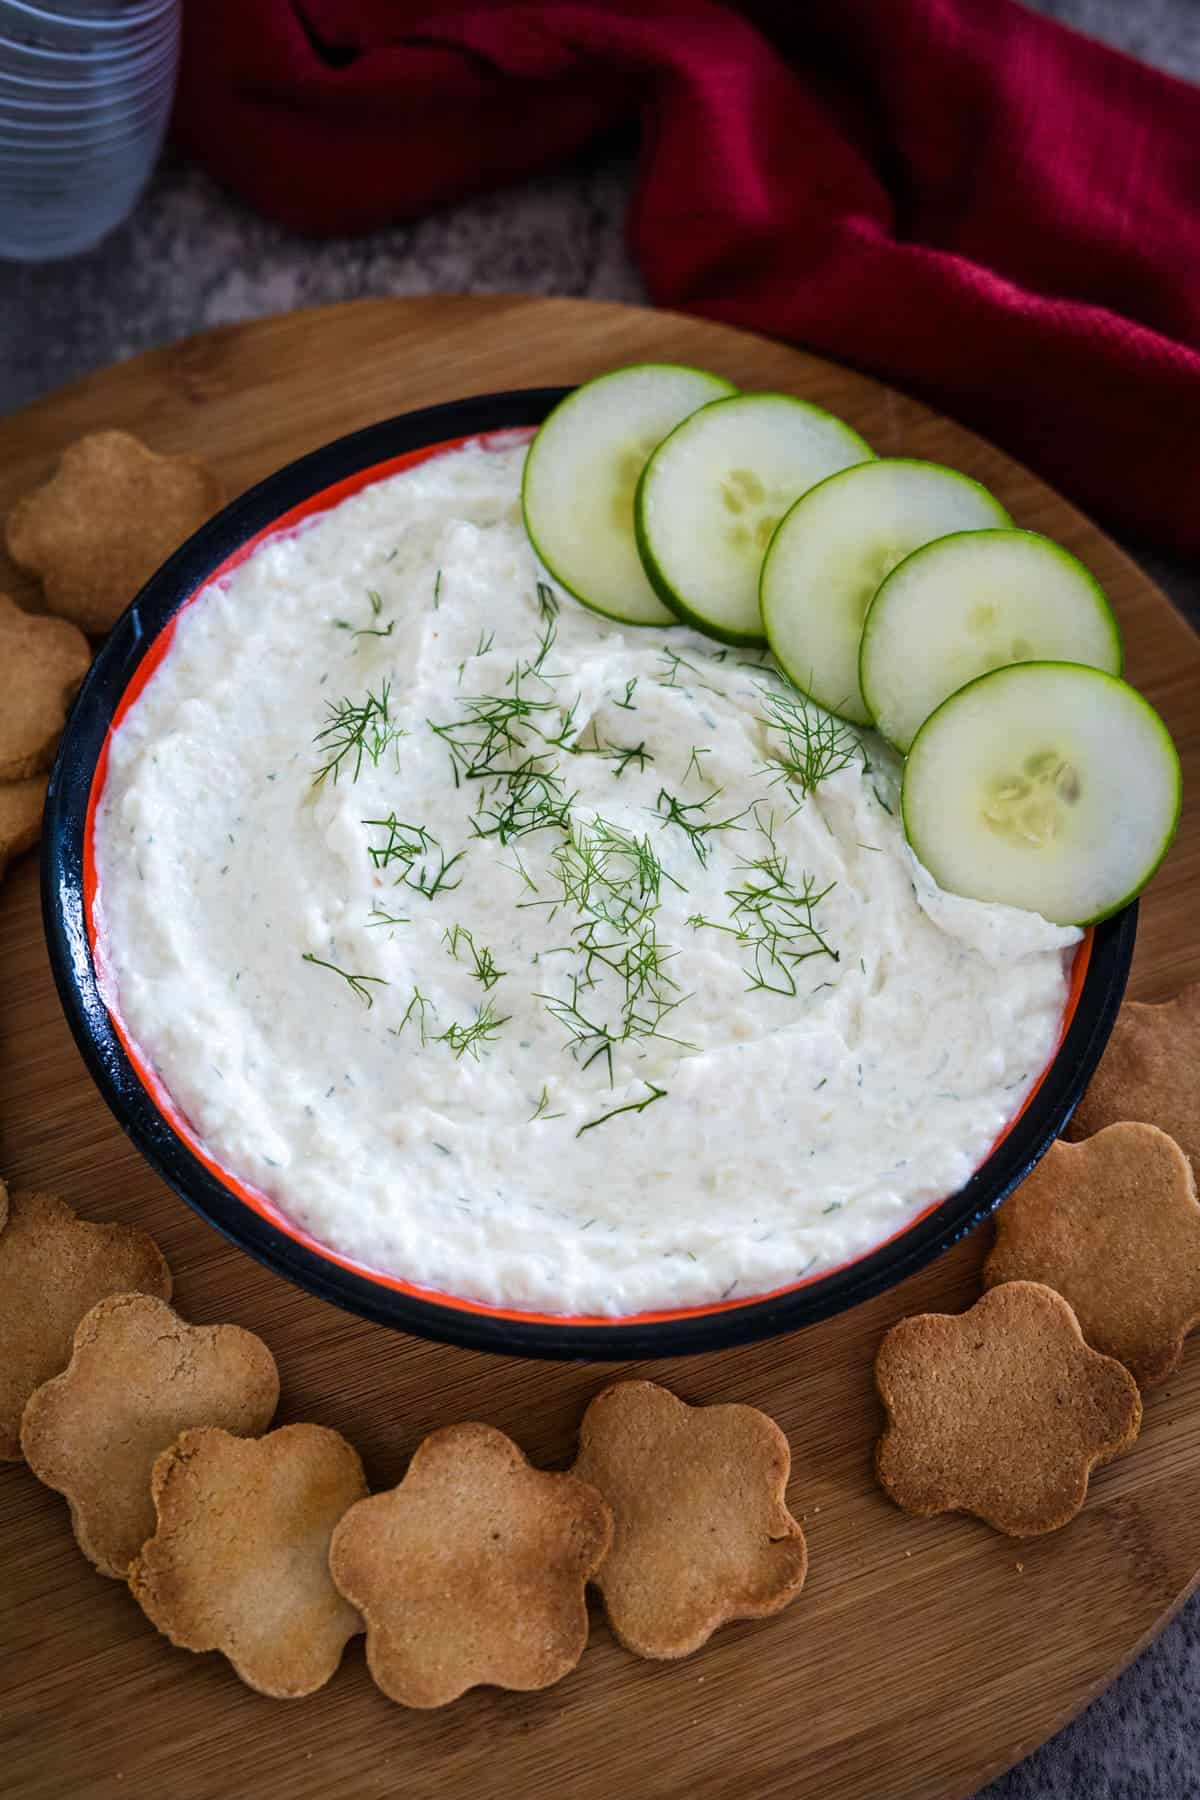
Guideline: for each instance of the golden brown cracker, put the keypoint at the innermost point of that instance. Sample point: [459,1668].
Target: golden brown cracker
[1002,1411]
[1149,1073]
[137,1378]
[473,1570]
[1113,1225]
[239,1561]
[110,514]
[42,662]
[53,1269]
[701,1531]
[21,807]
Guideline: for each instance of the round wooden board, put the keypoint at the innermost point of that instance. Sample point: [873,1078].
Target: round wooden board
[933,1650]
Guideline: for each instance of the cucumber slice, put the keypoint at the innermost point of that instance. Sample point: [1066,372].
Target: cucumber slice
[714,491]
[833,549]
[581,473]
[1045,785]
[973,602]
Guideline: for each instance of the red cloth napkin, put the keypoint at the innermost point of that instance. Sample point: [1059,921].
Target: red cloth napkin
[958,195]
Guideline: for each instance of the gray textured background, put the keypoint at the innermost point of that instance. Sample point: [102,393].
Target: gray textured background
[191,257]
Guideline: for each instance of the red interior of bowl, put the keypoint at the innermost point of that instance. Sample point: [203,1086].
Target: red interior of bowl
[254,1197]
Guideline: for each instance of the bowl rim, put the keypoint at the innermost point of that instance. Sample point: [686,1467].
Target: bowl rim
[423,1313]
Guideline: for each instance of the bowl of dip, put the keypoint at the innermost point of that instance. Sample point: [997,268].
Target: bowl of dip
[473,961]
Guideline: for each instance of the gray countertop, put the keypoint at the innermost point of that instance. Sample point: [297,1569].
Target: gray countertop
[192,257]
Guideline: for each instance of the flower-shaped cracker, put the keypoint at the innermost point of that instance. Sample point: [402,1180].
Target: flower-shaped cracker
[110,514]
[1150,1072]
[702,1534]
[472,1570]
[1002,1411]
[42,662]
[240,1560]
[53,1268]
[21,804]
[1113,1225]
[138,1377]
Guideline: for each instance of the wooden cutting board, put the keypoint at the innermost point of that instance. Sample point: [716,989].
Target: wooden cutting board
[923,1657]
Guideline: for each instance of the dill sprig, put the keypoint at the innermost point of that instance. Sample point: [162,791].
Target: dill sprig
[813,744]
[376,603]
[360,730]
[547,601]
[689,816]
[358,984]
[380,917]
[608,872]
[483,963]
[637,1106]
[492,727]
[531,797]
[627,703]
[775,918]
[622,756]
[418,1006]
[535,666]
[542,1109]
[412,850]
[674,663]
[473,1038]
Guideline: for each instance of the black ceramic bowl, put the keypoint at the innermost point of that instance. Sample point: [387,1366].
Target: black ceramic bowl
[249,1218]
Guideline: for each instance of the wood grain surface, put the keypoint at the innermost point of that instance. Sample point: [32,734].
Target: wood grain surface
[923,1657]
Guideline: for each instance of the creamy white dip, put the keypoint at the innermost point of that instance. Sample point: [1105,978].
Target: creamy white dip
[814,1070]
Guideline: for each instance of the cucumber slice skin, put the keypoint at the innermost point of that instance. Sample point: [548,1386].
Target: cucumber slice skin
[938,557]
[640,610]
[685,611]
[959,493]
[925,745]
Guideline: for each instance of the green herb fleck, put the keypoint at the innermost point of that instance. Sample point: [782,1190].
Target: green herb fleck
[541,1110]
[637,1106]
[357,983]
[362,731]
[476,1036]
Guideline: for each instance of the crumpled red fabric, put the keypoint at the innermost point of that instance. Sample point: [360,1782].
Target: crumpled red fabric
[960,196]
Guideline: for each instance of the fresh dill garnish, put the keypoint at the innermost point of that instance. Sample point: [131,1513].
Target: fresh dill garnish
[437,590]
[774,917]
[547,601]
[623,756]
[813,744]
[379,917]
[887,809]
[530,797]
[376,603]
[674,663]
[483,963]
[362,730]
[689,816]
[472,1039]
[541,1110]
[608,872]
[517,867]
[486,640]
[627,703]
[637,1106]
[536,666]
[412,851]
[357,983]
[491,728]
[693,762]
[416,1009]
